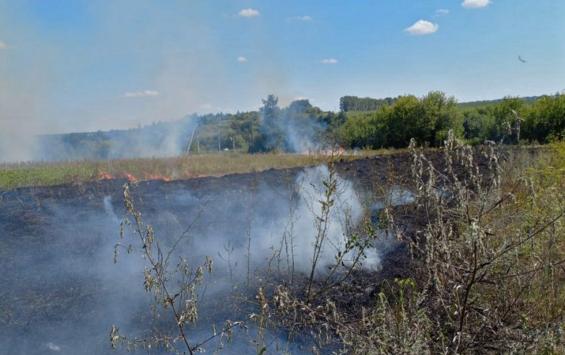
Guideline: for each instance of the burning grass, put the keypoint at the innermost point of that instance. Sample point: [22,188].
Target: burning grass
[185,167]
[413,305]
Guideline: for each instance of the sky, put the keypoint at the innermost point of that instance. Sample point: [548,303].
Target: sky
[85,65]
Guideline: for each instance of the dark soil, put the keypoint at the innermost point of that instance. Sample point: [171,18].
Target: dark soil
[54,242]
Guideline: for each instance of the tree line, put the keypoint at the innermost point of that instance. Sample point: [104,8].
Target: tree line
[296,128]
[299,127]
[429,118]
[391,122]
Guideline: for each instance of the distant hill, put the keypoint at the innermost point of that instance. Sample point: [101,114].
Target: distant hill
[486,103]
[366,104]
[156,140]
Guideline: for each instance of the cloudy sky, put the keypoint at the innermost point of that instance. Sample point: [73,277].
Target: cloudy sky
[74,65]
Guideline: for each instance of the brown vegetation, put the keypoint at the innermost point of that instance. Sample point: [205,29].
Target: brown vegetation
[486,272]
[184,167]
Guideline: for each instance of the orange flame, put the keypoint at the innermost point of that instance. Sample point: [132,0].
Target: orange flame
[131,178]
[104,176]
[157,177]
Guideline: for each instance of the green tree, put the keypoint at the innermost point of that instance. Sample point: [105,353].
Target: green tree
[545,120]
[440,116]
[507,115]
[364,129]
[271,134]
[354,103]
[402,122]
[478,125]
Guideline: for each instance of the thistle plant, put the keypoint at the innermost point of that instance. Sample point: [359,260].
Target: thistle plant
[475,256]
[486,264]
[173,287]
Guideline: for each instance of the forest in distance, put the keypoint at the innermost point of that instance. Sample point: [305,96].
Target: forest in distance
[300,127]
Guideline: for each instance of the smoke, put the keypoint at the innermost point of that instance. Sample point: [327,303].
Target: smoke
[21,105]
[347,212]
[301,128]
[264,228]
[65,291]
[279,221]
[68,69]
[109,209]
[301,138]
[156,140]
[296,128]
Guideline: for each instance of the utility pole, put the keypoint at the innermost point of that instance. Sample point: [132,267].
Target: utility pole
[219,135]
[190,140]
[518,121]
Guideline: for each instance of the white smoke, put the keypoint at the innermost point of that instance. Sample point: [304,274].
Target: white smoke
[223,215]
[283,228]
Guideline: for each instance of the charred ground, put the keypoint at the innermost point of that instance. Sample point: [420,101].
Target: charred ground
[56,242]
[57,246]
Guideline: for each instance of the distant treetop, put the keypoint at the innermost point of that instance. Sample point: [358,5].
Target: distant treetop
[354,103]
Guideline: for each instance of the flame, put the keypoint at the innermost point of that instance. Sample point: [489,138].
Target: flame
[157,177]
[131,178]
[104,176]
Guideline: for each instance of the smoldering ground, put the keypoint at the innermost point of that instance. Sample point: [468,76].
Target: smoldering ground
[63,291]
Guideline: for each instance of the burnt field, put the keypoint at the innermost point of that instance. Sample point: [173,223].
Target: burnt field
[275,177]
[62,290]
[71,269]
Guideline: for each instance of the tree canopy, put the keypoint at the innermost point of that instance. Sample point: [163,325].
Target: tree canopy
[300,127]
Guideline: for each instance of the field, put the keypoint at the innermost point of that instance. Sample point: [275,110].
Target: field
[65,291]
[276,177]
[56,173]
[58,250]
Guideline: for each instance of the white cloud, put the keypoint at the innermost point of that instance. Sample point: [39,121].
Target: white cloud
[422,27]
[144,93]
[241,59]
[249,13]
[442,12]
[3,45]
[475,4]
[301,18]
[329,61]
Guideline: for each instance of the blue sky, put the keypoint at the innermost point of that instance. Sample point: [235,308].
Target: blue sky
[73,65]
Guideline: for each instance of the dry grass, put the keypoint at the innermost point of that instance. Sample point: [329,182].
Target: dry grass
[46,174]
[486,273]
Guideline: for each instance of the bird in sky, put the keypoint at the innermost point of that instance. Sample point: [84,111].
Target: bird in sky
[521,59]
